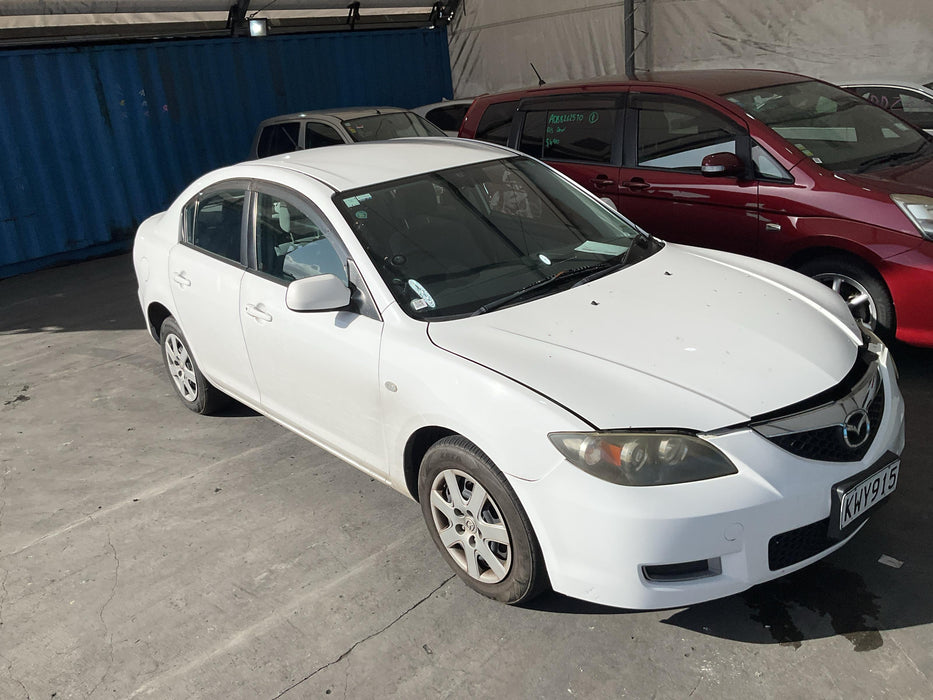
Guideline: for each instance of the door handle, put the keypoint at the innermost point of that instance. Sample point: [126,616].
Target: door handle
[602,181]
[181,279]
[636,183]
[258,313]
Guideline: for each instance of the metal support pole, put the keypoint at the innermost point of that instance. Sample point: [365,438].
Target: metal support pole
[628,45]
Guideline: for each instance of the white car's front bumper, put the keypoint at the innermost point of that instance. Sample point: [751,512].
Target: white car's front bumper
[617,545]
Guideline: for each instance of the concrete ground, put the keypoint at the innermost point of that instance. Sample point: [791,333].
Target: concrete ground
[147,551]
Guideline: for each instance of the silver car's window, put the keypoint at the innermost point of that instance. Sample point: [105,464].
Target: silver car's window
[290,242]
[317,135]
[214,223]
[833,127]
[447,118]
[278,138]
[450,242]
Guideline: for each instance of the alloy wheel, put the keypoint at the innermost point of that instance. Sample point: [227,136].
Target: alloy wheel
[856,297]
[181,368]
[471,526]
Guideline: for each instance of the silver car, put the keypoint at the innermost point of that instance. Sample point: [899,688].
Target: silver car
[329,127]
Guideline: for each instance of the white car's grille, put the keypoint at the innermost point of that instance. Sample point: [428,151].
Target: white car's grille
[841,431]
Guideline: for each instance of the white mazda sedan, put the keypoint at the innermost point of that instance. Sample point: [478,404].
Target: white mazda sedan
[573,403]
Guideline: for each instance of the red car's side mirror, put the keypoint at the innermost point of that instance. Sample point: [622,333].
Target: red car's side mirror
[722,165]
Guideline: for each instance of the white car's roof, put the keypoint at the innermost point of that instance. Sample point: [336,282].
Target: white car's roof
[354,165]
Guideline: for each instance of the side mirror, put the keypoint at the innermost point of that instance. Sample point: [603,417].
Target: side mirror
[609,203]
[722,165]
[317,293]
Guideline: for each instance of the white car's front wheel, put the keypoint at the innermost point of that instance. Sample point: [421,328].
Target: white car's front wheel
[478,524]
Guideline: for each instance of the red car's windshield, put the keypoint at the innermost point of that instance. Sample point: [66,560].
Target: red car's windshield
[835,128]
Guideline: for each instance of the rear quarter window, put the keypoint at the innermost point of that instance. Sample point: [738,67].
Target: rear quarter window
[496,122]
[278,138]
[447,118]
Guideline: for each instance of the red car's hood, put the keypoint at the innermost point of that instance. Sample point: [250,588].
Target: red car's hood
[911,178]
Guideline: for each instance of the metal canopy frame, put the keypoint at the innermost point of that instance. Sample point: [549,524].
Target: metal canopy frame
[61,22]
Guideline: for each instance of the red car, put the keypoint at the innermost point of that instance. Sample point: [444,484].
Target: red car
[774,165]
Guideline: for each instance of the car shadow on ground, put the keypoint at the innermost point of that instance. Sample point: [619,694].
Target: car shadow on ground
[235,410]
[833,597]
[99,295]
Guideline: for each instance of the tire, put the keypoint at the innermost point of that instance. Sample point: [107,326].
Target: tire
[478,524]
[198,394]
[862,289]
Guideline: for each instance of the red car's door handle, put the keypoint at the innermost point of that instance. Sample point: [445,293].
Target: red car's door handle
[601,182]
[636,183]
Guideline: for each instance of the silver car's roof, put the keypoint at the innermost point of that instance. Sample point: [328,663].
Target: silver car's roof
[341,114]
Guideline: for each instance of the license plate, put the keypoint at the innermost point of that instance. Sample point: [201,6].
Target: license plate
[867,493]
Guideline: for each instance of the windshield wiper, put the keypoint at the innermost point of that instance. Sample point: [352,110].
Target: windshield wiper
[891,158]
[534,286]
[642,242]
[639,250]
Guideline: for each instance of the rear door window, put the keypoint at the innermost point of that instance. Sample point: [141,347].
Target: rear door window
[214,223]
[581,133]
[278,138]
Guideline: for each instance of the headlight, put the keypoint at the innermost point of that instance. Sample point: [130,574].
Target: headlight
[919,210]
[643,459]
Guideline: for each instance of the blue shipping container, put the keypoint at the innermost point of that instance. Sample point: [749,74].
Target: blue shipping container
[96,139]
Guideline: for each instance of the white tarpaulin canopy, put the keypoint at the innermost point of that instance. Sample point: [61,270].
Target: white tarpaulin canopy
[492,42]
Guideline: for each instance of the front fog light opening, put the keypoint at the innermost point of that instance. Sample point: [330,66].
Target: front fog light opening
[683,571]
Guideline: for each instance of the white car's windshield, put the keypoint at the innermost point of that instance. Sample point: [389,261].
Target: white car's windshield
[391,125]
[473,238]
[836,129]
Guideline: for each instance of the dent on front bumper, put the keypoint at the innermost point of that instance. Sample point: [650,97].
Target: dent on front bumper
[701,540]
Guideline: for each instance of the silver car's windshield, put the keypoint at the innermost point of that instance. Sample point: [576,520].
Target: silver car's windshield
[391,125]
[473,238]
[835,128]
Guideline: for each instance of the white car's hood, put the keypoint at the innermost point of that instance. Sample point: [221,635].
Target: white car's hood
[688,338]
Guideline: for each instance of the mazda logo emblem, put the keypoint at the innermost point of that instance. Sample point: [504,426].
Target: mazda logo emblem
[856,429]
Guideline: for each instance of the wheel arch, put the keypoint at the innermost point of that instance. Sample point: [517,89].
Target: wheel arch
[801,257]
[800,260]
[417,445]
[156,314]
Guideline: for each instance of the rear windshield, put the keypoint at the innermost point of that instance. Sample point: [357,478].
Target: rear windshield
[835,128]
[393,125]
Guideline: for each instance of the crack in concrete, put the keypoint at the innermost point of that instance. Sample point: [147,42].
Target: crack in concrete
[6,572]
[3,594]
[100,614]
[364,640]
[155,490]
[9,672]
[909,658]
